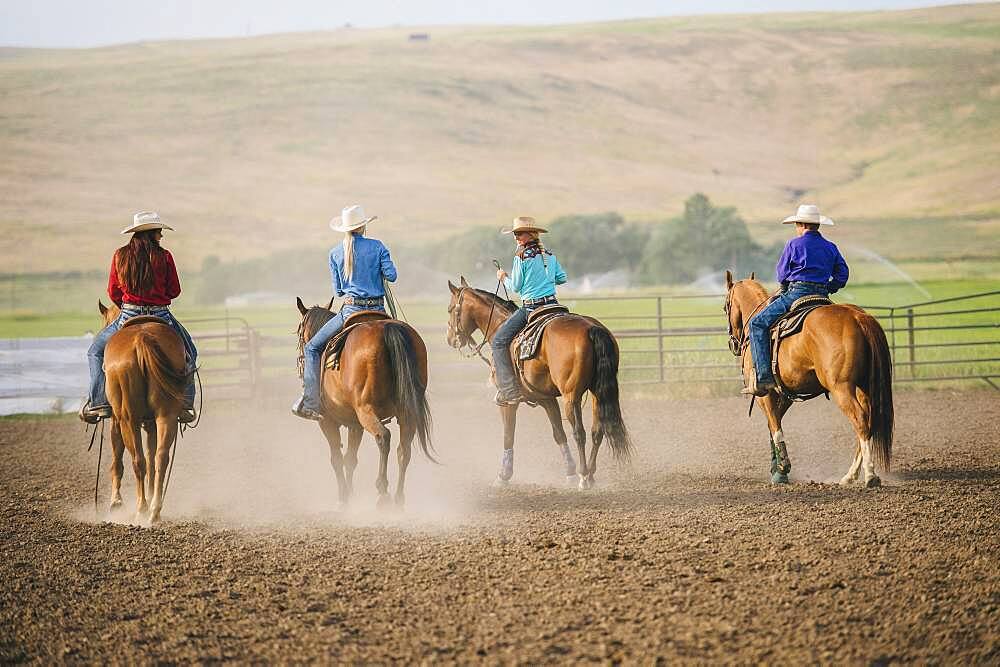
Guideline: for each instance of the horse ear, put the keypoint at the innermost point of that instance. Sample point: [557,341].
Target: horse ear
[729,279]
[454,290]
[464,283]
[302,306]
[753,274]
[101,307]
[329,306]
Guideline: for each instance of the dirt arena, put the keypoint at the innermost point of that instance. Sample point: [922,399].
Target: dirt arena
[689,556]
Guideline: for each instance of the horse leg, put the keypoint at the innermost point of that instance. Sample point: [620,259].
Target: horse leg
[574,412]
[331,430]
[596,436]
[132,437]
[854,403]
[559,435]
[371,423]
[161,437]
[509,415]
[117,464]
[354,435]
[403,450]
[775,406]
[149,448]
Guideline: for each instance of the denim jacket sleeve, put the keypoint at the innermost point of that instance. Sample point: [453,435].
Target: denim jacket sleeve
[388,268]
[338,283]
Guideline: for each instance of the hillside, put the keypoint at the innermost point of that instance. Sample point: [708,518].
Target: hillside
[251,145]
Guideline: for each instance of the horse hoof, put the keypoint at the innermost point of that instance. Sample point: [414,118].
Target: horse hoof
[846,481]
[586,483]
[572,480]
[779,478]
[873,483]
[501,482]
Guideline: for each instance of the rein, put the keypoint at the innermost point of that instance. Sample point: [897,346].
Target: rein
[738,343]
[465,340]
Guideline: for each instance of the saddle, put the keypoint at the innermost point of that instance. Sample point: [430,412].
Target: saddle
[790,324]
[527,343]
[334,348]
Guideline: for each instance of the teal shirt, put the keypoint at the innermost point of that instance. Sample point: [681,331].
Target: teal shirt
[532,279]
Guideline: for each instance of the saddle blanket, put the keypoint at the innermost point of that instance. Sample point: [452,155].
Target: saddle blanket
[528,342]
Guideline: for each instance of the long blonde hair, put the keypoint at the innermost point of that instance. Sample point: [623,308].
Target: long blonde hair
[349,251]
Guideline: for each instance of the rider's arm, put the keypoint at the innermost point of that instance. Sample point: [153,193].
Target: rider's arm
[558,274]
[784,265]
[388,268]
[114,289]
[173,288]
[515,281]
[338,283]
[840,273]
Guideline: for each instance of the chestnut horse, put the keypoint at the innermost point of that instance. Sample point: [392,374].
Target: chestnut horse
[382,374]
[842,351]
[146,373]
[578,354]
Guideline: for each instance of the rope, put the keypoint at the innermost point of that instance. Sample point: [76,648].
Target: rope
[100,453]
[391,304]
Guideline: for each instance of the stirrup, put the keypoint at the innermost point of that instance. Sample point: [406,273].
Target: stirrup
[505,401]
[186,416]
[93,415]
[299,410]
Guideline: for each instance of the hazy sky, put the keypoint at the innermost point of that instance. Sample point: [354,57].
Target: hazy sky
[75,23]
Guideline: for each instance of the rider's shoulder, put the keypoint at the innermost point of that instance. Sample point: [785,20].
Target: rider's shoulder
[531,251]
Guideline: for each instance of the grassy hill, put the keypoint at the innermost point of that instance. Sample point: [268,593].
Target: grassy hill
[889,120]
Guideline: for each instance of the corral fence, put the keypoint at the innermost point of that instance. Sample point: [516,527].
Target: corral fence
[663,339]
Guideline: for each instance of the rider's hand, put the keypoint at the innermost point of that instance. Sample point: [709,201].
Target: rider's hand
[501,274]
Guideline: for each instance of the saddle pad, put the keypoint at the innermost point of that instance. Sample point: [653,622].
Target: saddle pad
[331,354]
[144,319]
[529,340]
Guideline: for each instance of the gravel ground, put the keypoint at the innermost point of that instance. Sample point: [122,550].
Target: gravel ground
[688,556]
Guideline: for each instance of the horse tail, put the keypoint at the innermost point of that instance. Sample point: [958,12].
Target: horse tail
[410,392]
[158,368]
[605,390]
[880,414]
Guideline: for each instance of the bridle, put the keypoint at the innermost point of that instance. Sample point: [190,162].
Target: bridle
[738,343]
[464,338]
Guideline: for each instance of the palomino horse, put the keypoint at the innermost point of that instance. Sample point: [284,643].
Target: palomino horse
[382,374]
[578,354]
[146,372]
[842,351]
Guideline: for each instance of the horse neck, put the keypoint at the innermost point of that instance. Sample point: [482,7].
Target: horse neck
[748,296]
[481,314]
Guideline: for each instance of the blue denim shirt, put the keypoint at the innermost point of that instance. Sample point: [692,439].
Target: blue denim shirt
[812,258]
[534,278]
[371,264]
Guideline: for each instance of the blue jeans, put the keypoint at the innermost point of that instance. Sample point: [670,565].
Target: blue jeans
[95,355]
[504,336]
[760,326]
[314,354]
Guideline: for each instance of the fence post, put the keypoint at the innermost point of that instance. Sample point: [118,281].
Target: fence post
[659,334]
[253,352]
[910,341]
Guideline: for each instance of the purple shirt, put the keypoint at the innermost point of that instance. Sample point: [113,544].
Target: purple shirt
[812,258]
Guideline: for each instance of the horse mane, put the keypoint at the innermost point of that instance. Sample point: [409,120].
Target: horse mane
[491,297]
[756,287]
[314,318]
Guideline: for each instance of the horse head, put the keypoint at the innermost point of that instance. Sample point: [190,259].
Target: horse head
[461,318]
[312,319]
[743,298]
[109,313]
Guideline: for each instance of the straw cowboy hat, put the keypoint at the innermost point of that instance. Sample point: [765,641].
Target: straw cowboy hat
[145,220]
[351,218]
[523,223]
[808,213]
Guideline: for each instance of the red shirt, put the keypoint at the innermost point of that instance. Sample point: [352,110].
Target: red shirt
[166,285]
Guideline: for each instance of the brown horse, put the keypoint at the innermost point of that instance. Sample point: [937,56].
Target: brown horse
[842,351]
[382,374]
[578,354]
[146,372]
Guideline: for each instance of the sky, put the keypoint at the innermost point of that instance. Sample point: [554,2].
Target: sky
[87,23]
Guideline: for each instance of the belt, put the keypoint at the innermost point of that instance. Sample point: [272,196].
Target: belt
[144,309]
[541,301]
[808,282]
[363,301]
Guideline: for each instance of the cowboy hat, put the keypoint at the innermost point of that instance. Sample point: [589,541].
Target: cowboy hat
[523,223]
[351,218]
[145,220]
[808,213]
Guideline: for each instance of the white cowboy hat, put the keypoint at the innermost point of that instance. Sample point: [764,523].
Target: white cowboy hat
[351,218]
[523,223]
[146,220]
[808,213]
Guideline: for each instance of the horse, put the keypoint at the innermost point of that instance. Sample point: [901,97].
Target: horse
[382,374]
[577,354]
[841,351]
[146,373]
